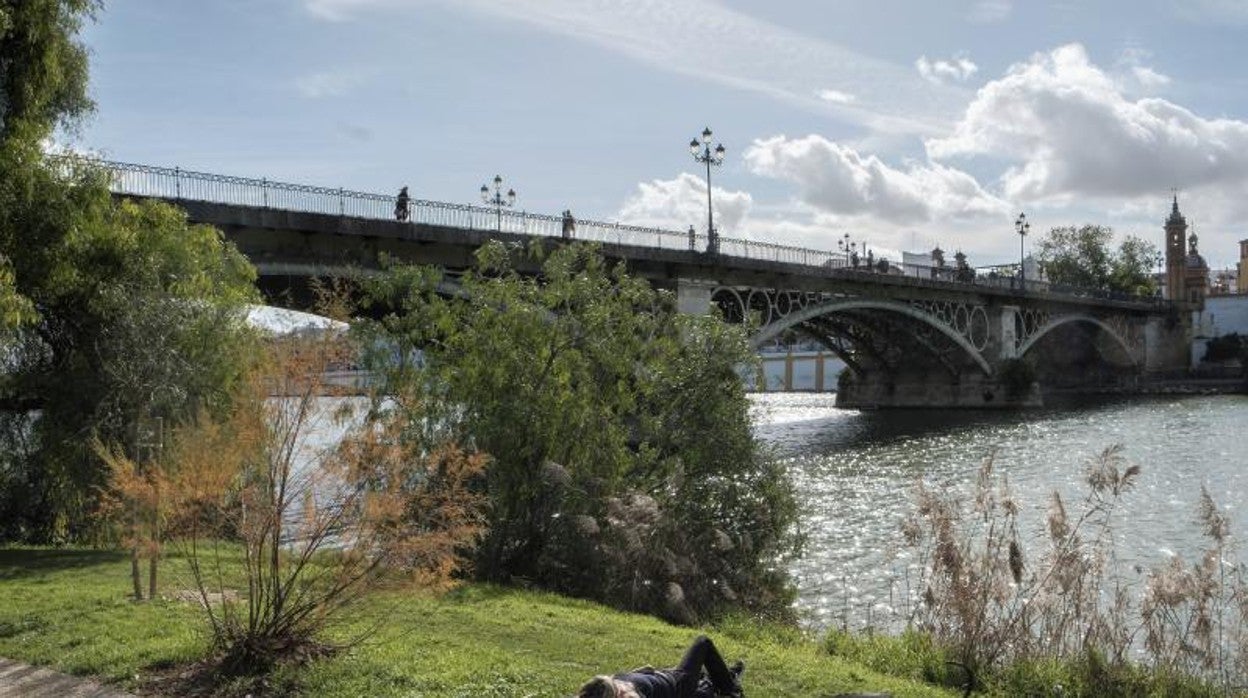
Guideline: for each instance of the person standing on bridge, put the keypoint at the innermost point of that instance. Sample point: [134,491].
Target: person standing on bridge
[569,224]
[401,211]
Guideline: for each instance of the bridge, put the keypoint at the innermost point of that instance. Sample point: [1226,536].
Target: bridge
[911,337]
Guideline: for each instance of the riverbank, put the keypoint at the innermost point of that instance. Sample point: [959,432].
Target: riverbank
[68,609]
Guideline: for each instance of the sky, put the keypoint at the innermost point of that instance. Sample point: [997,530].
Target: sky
[903,124]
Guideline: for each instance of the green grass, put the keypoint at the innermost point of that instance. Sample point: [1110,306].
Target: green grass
[69,609]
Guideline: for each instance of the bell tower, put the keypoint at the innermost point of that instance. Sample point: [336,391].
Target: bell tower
[1176,253]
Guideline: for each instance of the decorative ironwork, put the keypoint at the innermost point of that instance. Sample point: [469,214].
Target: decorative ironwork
[1028,321]
[1130,331]
[770,305]
[967,319]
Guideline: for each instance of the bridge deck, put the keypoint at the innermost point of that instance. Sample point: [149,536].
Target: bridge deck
[241,204]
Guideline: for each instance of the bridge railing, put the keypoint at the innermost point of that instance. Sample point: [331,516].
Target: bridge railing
[176,183]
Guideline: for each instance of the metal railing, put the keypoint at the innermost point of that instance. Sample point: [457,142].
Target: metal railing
[178,184]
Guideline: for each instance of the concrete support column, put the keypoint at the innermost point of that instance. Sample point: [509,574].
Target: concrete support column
[693,296]
[1006,335]
[820,358]
[788,372]
[1167,346]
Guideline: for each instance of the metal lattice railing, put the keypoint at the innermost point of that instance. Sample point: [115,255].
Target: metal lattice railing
[178,184]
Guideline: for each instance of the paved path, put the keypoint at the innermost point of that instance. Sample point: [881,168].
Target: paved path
[19,680]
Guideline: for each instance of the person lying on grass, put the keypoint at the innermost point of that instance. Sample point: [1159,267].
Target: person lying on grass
[685,680]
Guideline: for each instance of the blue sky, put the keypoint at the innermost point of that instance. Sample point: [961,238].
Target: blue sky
[905,124]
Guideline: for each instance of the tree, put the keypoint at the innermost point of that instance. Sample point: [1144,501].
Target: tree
[43,84]
[43,67]
[112,314]
[622,465]
[1082,257]
[1131,270]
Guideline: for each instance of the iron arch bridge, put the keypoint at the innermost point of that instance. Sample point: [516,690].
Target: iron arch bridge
[923,349]
[911,336]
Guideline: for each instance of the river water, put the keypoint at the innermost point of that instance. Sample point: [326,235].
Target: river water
[855,473]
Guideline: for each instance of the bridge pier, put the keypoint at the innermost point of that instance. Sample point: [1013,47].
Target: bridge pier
[936,390]
[693,296]
[1167,347]
[1003,343]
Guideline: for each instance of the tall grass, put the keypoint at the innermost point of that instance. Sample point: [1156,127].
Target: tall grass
[1003,604]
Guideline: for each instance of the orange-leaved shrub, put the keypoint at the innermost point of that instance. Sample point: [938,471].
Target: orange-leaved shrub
[326,495]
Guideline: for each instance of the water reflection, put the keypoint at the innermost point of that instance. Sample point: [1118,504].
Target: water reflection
[855,473]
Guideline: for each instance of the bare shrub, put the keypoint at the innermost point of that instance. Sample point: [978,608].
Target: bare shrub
[319,526]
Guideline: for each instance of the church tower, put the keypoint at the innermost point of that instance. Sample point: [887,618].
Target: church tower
[1176,253]
[1195,275]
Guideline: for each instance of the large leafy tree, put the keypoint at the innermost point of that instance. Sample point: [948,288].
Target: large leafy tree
[1083,257]
[623,466]
[115,316]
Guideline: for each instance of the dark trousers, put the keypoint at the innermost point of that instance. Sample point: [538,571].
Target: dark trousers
[702,654]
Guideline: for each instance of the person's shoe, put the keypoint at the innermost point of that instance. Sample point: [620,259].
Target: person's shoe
[737,668]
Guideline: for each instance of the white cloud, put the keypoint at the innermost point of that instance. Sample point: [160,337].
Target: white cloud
[836,179]
[1148,78]
[1136,73]
[989,11]
[836,97]
[675,204]
[1072,132]
[731,48]
[332,83]
[958,68]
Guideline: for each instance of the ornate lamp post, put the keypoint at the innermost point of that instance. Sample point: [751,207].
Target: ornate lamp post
[1023,227]
[497,200]
[849,248]
[702,153]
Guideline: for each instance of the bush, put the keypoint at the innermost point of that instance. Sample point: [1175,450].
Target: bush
[623,464]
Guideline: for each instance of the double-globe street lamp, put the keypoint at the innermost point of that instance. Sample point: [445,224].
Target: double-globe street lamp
[1022,227]
[849,248]
[702,153]
[497,200]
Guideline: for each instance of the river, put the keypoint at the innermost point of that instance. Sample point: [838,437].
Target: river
[855,474]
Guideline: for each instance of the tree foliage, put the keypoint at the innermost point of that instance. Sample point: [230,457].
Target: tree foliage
[622,466]
[139,318]
[112,313]
[1082,257]
[43,67]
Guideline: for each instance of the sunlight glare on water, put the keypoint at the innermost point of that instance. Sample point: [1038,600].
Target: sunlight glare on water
[855,474]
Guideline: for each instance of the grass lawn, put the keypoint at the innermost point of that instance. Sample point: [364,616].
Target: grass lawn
[69,609]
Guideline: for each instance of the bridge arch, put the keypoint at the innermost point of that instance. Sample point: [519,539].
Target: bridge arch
[1068,319]
[813,311]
